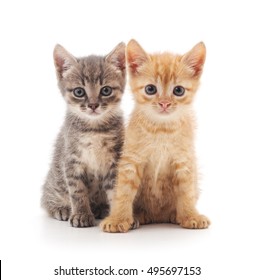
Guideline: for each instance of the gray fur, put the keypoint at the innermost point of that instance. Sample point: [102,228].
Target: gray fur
[88,147]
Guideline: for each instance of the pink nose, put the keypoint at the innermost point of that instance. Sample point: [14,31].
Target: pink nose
[164,104]
[93,106]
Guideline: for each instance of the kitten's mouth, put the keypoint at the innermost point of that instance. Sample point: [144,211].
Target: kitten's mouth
[91,113]
[164,111]
[163,108]
[94,113]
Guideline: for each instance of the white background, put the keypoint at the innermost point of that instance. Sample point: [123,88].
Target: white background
[32,110]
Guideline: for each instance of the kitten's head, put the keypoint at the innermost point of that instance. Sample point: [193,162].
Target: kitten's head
[92,86]
[164,84]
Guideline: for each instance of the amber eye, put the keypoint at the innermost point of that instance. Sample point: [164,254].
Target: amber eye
[106,91]
[79,92]
[150,89]
[179,91]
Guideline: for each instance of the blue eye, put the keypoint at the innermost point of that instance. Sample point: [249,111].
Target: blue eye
[106,91]
[79,92]
[150,89]
[179,91]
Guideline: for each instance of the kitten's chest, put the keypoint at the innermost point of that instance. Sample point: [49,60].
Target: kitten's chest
[161,148]
[164,152]
[96,152]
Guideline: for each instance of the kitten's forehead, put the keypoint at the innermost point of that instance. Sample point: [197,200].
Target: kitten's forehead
[92,69]
[165,67]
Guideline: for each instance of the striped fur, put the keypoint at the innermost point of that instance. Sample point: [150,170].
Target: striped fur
[81,179]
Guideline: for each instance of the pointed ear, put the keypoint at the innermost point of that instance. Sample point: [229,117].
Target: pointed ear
[63,60]
[136,56]
[195,59]
[117,56]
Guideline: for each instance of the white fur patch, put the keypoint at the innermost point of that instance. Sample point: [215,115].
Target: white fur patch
[94,154]
[110,196]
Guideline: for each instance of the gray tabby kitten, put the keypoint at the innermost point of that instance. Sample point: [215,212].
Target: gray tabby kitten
[80,181]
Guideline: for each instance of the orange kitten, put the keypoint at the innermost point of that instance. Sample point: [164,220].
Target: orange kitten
[157,176]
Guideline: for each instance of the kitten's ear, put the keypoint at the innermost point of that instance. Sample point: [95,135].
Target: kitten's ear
[117,56]
[136,56]
[195,59]
[63,60]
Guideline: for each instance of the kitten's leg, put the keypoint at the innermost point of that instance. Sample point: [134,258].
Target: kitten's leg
[188,216]
[108,186]
[55,198]
[101,202]
[121,215]
[81,214]
[100,207]
[186,195]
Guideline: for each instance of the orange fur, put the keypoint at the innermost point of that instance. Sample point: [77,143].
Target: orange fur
[157,175]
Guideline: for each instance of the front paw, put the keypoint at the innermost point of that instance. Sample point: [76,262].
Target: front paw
[195,222]
[111,224]
[82,220]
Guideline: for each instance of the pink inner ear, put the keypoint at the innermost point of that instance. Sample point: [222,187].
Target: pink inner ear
[59,61]
[121,62]
[199,66]
[61,65]
[195,59]
[134,62]
[133,67]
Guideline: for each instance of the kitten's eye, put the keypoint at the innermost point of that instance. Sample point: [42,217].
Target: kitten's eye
[150,89]
[179,91]
[79,92]
[106,91]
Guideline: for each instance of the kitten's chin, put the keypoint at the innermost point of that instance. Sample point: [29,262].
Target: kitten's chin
[164,114]
[94,114]
[91,116]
